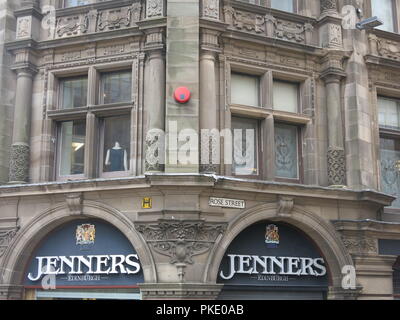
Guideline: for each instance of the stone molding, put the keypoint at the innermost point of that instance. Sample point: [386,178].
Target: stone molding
[181,291]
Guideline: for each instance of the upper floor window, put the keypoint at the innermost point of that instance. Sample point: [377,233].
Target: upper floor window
[284,5]
[389,110]
[73,92]
[385,10]
[286,96]
[75,3]
[245,89]
[116,87]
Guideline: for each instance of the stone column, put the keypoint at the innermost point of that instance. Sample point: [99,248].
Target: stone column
[336,153]
[20,149]
[208,114]
[154,106]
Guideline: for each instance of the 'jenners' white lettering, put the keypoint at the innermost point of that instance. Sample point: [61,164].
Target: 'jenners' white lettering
[268,265]
[100,264]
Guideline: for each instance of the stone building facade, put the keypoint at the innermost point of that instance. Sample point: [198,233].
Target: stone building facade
[322,96]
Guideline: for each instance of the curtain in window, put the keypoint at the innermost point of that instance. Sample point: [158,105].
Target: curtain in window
[286,96]
[384,10]
[389,113]
[390,174]
[244,132]
[245,89]
[286,151]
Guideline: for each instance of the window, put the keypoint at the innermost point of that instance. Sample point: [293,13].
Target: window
[72,148]
[116,87]
[93,135]
[245,133]
[245,89]
[385,10]
[75,3]
[284,5]
[73,92]
[286,151]
[389,110]
[286,96]
[116,143]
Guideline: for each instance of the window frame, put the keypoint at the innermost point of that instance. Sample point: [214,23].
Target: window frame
[299,145]
[91,115]
[259,148]
[101,159]
[386,133]
[60,91]
[395,16]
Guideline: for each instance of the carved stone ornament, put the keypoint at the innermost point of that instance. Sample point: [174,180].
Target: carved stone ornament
[74,202]
[72,25]
[19,163]
[337,167]
[154,8]
[360,245]
[328,5]
[384,48]
[24,27]
[155,150]
[114,19]
[6,236]
[285,205]
[211,9]
[180,240]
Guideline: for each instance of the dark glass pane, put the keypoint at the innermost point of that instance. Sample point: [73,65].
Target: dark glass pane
[286,151]
[390,168]
[72,153]
[117,87]
[75,3]
[245,153]
[116,144]
[74,93]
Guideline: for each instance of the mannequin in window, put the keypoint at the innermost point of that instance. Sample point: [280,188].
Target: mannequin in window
[117,158]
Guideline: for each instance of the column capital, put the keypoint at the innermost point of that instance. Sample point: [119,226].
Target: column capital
[329,7]
[25,69]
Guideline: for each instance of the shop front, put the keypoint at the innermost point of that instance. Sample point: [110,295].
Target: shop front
[273,261]
[84,259]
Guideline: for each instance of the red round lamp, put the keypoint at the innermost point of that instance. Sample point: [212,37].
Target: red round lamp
[182,95]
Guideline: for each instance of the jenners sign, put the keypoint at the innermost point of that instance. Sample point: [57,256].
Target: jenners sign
[273,254]
[86,254]
[88,265]
[269,265]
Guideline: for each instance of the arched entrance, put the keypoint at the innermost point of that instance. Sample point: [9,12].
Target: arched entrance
[32,241]
[269,261]
[318,230]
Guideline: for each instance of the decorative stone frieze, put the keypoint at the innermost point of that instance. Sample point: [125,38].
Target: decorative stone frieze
[360,245]
[384,48]
[24,27]
[337,167]
[180,240]
[6,236]
[19,163]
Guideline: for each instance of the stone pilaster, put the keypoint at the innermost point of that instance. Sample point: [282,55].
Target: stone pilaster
[20,149]
[210,147]
[154,102]
[336,156]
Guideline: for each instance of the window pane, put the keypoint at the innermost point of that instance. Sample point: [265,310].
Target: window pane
[286,96]
[390,175]
[72,153]
[74,93]
[117,87]
[389,113]
[284,5]
[116,144]
[384,10]
[245,153]
[286,151]
[245,89]
[74,3]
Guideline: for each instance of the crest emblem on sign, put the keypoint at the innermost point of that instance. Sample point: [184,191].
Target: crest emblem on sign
[85,234]
[272,236]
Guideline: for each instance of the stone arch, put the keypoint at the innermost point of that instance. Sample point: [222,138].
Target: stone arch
[320,231]
[17,255]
